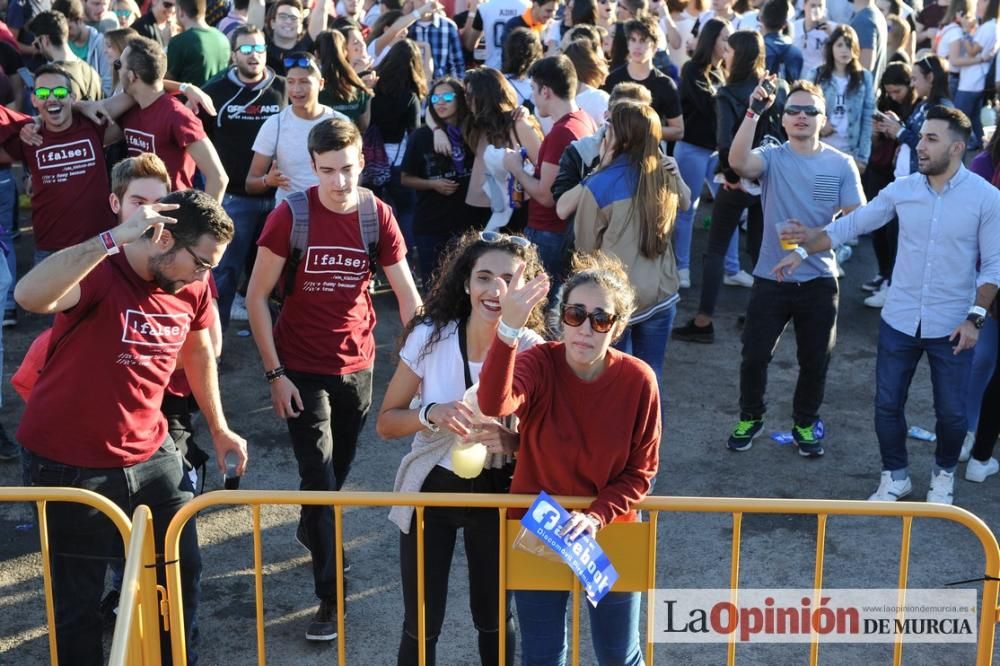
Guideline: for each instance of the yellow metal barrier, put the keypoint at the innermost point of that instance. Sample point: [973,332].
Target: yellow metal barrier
[136,641]
[632,547]
[42,497]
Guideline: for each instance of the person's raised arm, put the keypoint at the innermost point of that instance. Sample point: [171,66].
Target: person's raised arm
[256,13]
[470,33]
[198,357]
[401,281]
[204,155]
[54,284]
[741,156]
[317,18]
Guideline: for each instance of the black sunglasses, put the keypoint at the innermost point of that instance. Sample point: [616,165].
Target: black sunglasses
[600,321]
[795,109]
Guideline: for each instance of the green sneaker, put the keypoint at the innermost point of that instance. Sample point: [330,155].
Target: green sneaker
[810,446]
[744,433]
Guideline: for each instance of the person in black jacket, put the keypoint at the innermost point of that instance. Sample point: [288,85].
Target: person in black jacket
[245,95]
[745,63]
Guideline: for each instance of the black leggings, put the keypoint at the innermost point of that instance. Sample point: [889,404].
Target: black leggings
[729,206]
[989,416]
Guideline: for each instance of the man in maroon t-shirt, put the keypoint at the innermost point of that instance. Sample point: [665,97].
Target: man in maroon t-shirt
[318,358]
[128,303]
[69,178]
[553,86]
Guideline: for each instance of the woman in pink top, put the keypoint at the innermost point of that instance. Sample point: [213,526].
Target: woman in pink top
[589,425]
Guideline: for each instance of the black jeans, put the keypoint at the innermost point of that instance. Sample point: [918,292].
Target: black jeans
[729,206]
[812,307]
[82,542]
[331,404]
[480,531]
[989,416]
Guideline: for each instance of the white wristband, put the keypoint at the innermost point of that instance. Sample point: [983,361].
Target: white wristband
[977,310]
[509,331]
[801,251]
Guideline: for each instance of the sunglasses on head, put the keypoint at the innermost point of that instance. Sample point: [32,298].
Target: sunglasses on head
[600,321]
[444,97]
[497,237]
[59,92]
[795,109]
[247,49]
[305,63]
[123,13]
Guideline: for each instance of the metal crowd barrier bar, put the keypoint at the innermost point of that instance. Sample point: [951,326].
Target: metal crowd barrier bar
[136,640]
[632,547]
[42,497]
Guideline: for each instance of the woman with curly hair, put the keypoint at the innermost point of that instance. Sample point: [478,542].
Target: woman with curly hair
[589,426]
[521,48]
[495,119]
[443,348]
[343,89]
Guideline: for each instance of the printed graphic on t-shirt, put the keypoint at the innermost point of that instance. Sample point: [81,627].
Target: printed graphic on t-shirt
[139,142]
[251,111]
[155,330]
[58,163]
[328,268]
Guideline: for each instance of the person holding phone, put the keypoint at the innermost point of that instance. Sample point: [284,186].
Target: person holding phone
[811,32]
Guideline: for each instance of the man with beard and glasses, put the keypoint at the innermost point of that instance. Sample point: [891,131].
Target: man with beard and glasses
[130,304]
[246,95]
[948,219]
[69,178]
[813,182]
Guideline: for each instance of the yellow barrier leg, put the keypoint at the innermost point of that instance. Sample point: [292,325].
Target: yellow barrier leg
[338,560]
[50,611]
[734,580]
[421,615]
[654,517]
[817,584]
[904,572]
[575,600]
[258,584]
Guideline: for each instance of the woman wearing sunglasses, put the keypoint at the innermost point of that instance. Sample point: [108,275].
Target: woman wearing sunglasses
[589,425]
[440,181]
[443,348]
[627,209]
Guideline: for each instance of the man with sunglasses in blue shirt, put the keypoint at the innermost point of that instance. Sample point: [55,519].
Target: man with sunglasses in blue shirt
[244,96]
[811,182]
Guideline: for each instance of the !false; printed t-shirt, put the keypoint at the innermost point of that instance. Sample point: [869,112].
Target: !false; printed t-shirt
[327,323]
[165,127]
[97,400]
[69,183]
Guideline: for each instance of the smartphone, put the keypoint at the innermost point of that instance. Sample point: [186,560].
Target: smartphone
[757,105]
[230,480]
[878,115]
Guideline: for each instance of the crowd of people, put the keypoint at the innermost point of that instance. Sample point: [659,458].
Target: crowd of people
[524,176]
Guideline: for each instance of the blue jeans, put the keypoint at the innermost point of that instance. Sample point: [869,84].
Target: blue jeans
[8,214]
[41,255]
[984,360]
[648,339]
[971,103]
[83,542]
[697,166]
[552,249]
[248,214]
[614,628]
[6,283]
[898,355]
[430,248]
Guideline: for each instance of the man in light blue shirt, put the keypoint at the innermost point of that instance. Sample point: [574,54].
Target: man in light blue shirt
[948,218]
[810,181]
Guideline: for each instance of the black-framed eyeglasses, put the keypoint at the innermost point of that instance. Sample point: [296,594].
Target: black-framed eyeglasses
[247,49]
[59,92]
[600,321]
[448,97]
[497,237]
[810,110]
[288,18]
[200,265]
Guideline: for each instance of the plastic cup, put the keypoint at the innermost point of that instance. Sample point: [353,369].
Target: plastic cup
[785,245]
[468,460]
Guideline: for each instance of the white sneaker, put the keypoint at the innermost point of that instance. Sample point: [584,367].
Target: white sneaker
[977,471]
[966,452]
[942,488]
[740,279]
[685,277]
[890,490]
[877,300]
[238,311]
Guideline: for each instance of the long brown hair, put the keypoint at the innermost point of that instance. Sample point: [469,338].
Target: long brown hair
[855,72]
[340,77]
[748,57]
[637,134]
[402,71]
[492,100]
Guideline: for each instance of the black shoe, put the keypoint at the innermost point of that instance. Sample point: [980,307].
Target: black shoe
[9,449]
[744,433]
[323,626]
[691,332]
[874,284]
[109,609]
[10,318]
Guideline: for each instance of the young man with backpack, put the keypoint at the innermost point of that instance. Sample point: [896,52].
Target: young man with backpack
[320,248]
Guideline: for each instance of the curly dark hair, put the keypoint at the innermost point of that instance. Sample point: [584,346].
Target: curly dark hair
[521,48]
[447,300]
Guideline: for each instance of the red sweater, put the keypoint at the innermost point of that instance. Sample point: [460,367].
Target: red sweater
[598,438]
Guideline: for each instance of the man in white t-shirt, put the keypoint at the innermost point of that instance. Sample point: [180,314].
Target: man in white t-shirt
[491,18]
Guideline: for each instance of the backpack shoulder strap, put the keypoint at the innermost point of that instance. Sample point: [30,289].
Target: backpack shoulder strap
[368,220]
[298,202]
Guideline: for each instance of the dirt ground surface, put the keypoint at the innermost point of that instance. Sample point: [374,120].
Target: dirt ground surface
[694,550]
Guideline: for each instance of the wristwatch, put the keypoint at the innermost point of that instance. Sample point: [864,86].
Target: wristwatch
[977,315]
